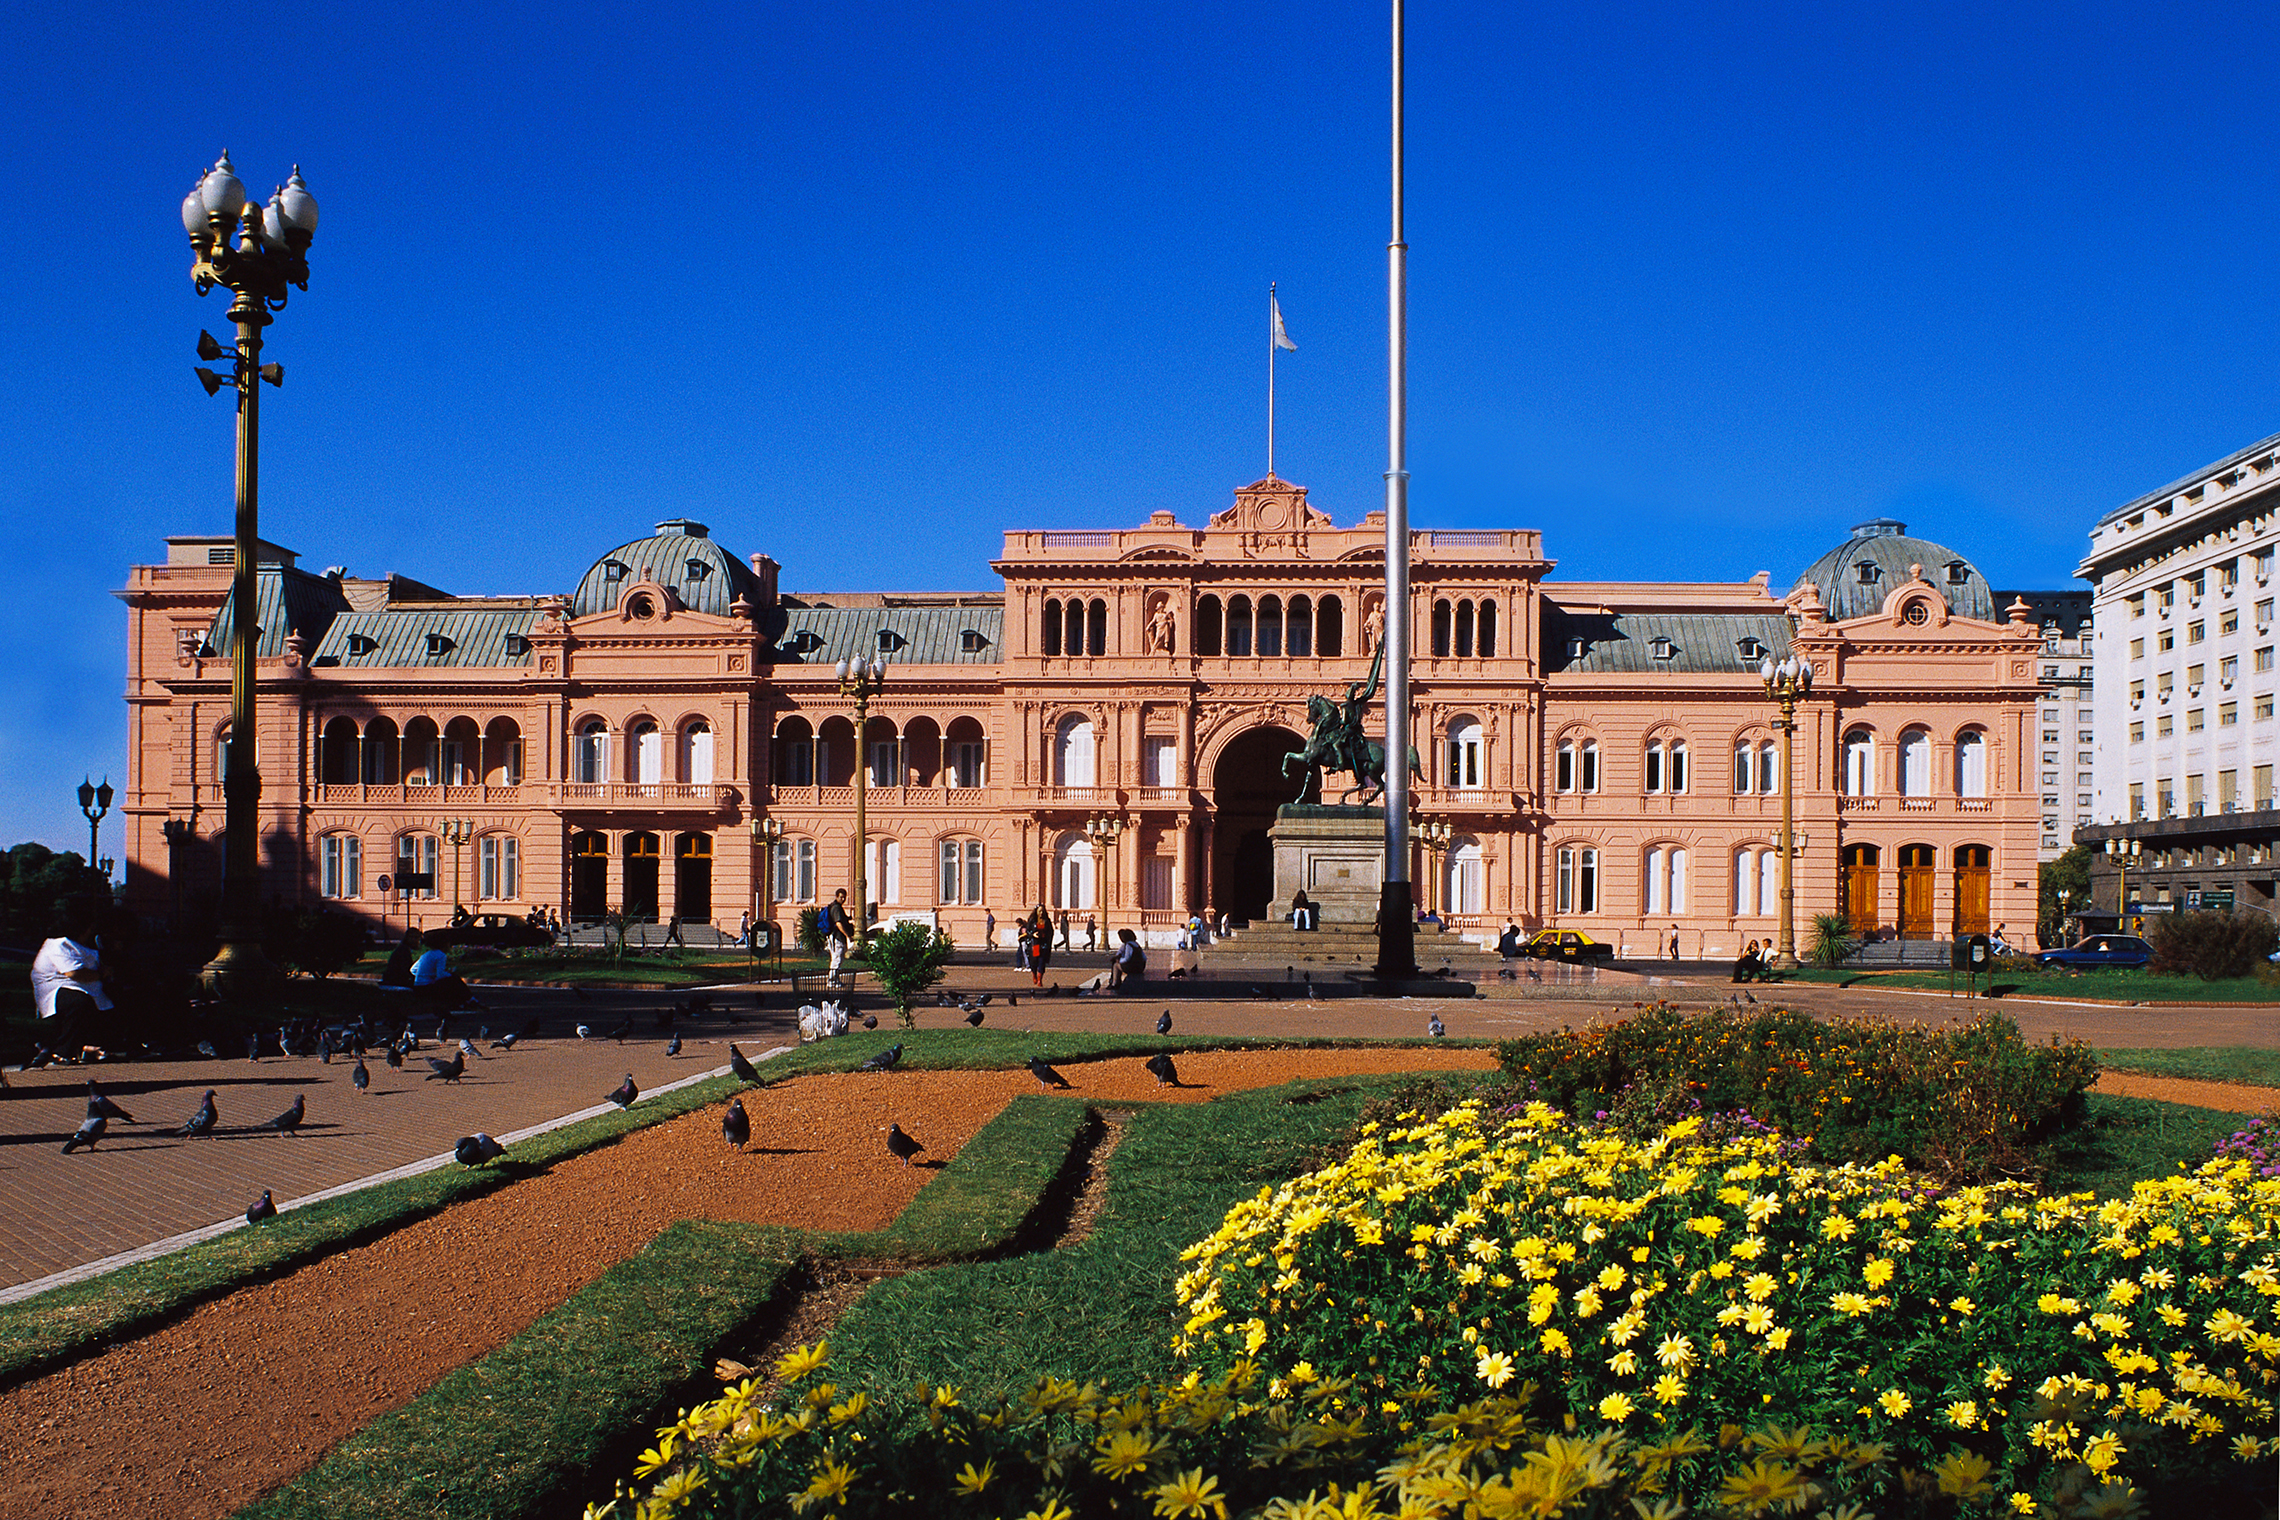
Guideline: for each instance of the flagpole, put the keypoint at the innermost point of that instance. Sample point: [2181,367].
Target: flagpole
[1271,346]
[1397,947]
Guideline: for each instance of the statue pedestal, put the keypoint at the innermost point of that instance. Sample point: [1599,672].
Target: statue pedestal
[1336,855]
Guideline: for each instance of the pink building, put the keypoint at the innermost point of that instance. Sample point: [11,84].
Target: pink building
[1603,751]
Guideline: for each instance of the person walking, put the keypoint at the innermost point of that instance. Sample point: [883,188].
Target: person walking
[1065,930]
[1674,942]
[1092,932]
[989,929]
[838,931]
[1037,945]
[67,989]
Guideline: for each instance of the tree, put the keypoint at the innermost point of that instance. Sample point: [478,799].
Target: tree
[2211,945]
[39,888]
[2064,892]
[907,959]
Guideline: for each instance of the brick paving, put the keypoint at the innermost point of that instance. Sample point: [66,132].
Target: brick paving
[145,1185]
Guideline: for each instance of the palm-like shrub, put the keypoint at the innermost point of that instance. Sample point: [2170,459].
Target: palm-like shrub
[1832,941]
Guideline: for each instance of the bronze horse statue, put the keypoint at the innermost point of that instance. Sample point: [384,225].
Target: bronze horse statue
[1337,742]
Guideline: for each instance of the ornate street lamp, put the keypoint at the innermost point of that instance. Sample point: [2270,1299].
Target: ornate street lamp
[1435,834]
[456,832]
[1102,829]
[766,830]
[861,680]
[1788,683]
[94,801]
[2123,852]
[254,252]
[178,832]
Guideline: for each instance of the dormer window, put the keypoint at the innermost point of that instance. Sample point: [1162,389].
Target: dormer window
[1864,571]
[1957,572]
[1575,649]
[438,645]
[1751,650]
[517,646]
[698,569]
[890,641]
[972,641]
[1663,648]
[362,644]
[614,570]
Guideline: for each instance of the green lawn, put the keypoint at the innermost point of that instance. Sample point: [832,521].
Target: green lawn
[2129,1139]
[2103,986]
[2201,1063]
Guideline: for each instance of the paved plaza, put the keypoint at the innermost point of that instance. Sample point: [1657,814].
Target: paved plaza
[146,1185]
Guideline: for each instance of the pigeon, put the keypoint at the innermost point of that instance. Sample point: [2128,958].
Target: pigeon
[362,1076]
[100,1107]
[625,1092]
[585,1031]
[884,1060]
[443,1029]
[87,1134]
[290,1121]
[324,1050]
[1748,996]
[507,1040]
[1161,1068]
[206,1049]
[673,1046]
[739,1063]
[203,1121]
[475,1149]
[1434,1026]
[529,1031]
[870,1021]
[736,1125]
[1164,1022]
[902,1144]
[973,1018]
[467,1048]
[1011,1001]
[1046,1076]
[447,1071]
[395,1059]
[984,1000]
[625,1027]
[261,1208]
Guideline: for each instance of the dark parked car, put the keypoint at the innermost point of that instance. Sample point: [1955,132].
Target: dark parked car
[1566,945]
[2099,952]
[490,931]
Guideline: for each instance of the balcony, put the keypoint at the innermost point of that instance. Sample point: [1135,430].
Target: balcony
[419,795]
[671,796]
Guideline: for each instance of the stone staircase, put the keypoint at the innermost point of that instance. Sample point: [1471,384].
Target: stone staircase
[1272,944]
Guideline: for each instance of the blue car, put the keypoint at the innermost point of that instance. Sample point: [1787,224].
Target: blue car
[2100,952]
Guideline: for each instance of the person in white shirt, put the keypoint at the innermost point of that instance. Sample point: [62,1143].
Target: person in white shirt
[67,987]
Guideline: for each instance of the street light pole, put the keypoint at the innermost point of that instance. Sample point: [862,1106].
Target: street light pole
[1102,829]
[766,830]
[178,832]
[94,801]
[2123,851]
[1435,834]
[456,832]
[861,680]
[1397,929]
[1788,683]
[270,252]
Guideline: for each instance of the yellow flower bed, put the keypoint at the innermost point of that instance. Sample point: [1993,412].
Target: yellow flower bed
[1674,1282]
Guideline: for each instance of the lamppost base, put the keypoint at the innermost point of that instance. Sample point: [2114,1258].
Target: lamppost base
[238,971]
[1785,961]
[1397,932]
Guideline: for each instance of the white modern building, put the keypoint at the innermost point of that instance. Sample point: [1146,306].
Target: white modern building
[2184,680]
[2066,726]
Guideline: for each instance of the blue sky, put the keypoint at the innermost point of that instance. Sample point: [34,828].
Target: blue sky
[1693,288]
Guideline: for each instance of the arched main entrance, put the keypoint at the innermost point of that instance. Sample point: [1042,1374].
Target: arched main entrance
[589,877]
[1971,882]
[641,862]
[1247,785]
[692,878]
[1856,888]
[1918,865]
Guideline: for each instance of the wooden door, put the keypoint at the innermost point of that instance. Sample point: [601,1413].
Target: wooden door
[1856,887]
[1971,881]
[589,878]
[1916,878]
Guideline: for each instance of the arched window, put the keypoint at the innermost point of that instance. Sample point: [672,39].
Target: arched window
[697,753]
[1298,630]
[502,753]
[340,872]
[883,752]
[1587,766]
[1270,627]
[1563,766]
[1461,891]
[380,753]
[1329,628]
[646,753]
[961,872]
[336,754]
[1441,621]
[1745,882]
[1745,767]
[499,868]
[1096,641]
[1769,881]
[1468,753]
[795,753]
[1239,627]
[1916,763]
[1665,879]
[883,864]
[642,863]
[792,871]
[1051,632]
[1465,629]
[966,757]
[1860,763]
[1666,766]
[461,752]
[1073,752]
[589,876]
[1073,872]
[1769,768]
[422,753]
[1575,886]
[1207,626]
[1971,763]
[590,754]
[1488,630]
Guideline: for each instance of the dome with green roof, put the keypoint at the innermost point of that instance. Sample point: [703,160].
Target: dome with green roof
[680,556]
[1855,577]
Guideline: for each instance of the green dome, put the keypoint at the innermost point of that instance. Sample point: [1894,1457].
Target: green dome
[680,556]
[1857,575]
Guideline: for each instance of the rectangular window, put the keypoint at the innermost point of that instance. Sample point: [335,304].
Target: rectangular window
[1563,769]
[2137,801]
[2137,733]
[805,884]
[455,771]
[2228,791]
[2137,649]
[2264,658]
[2228,715]
[966,765]
[2164,726]
[2193,677]
[2193,796]
[2167,596]
[952,877]
[1577,885]
[2263,566]
[2164,683]
[2263,786]
[2228,575]
[2228,668]
[2264,614]
[2193,721]
[2137,691]
[2195,631]
[1654,768]
[1464,760]
[342,866]
[2264,706]
[2165,641]
[500,868]
[886,762]
[1160,761]
[1156,878]
[974,871]
[1590,768]
[2137,605]
[2229,623]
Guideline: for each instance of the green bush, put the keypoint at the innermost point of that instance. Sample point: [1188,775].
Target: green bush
[907,959]
[1966,1103]
[1652,1284]
[809,935]
[2211,946]
[1830,942]
[313,941]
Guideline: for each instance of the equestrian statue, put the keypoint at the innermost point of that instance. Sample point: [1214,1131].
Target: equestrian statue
[1338,743]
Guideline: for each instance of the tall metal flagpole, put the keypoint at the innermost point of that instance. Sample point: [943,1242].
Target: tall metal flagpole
[1397,947]
[1271,347]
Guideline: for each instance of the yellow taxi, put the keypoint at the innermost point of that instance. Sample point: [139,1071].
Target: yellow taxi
[1566,945]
